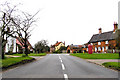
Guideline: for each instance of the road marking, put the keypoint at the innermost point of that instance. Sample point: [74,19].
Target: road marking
[61,61]
[66,76]
[59,57]
[63,67]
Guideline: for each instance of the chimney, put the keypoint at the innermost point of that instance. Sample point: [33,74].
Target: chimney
[115,26]
[56,41]
[100,30]
[64,42]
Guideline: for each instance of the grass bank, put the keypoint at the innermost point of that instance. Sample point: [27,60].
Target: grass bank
[112,65]
[9,62]
[97,56]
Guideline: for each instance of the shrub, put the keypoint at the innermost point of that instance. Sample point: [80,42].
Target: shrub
[23,55]
[74,51]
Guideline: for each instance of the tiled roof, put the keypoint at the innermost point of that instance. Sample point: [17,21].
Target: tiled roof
[102,37]
[75,46]
[22,42]
[57,43]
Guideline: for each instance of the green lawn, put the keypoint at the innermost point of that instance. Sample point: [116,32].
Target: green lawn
[10,61]
[31,54]
[112,65]
[97,56]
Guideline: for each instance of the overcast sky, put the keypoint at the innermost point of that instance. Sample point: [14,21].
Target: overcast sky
[72,21]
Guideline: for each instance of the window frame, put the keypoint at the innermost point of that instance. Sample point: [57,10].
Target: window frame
[106,42]
[99,43]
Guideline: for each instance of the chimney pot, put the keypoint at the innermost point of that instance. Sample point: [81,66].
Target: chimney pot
[115,26]
[100,30]
[56,41]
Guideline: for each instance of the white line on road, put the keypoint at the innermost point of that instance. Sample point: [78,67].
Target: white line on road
[63,67]
[66,76]
[59,57]
[61,61]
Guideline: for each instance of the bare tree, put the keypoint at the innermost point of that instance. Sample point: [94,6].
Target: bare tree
[6,25]
[24,26]
[15,25]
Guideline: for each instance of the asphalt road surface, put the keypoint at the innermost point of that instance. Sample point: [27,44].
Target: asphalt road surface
[60,66]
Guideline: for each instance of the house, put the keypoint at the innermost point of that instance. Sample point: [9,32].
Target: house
[85,47]
[56,46]
[74,48]
[52,48]
[16,45]
[20,45]
[10,45]
[104,42]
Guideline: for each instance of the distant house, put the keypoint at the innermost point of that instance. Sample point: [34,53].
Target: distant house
[103,42]
[52,48]
[74,48]
[56,46]
[85,47]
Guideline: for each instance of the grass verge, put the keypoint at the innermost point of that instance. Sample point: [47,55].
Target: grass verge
[97,56]
[112,65]
[31,54]
[9,62]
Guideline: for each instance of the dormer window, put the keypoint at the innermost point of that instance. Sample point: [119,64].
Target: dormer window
[99,43]
[106,42]
[91,43]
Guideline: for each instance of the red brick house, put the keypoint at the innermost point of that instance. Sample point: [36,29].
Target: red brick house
[74,48]
[104,42]
[85,47]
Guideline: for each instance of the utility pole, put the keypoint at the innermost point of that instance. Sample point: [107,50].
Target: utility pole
[0,42]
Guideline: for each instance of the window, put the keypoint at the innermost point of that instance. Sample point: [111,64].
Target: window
[87,49]
[106,42]
[103,49]
[99,48]
[99,43]
[95,49]
[106,47]
[91,43]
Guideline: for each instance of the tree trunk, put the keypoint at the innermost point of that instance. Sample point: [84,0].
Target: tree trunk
[26,47]
[3,51]
[0,47]
[3,48]
[3,56]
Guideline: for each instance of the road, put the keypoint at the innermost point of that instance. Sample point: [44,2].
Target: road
[60,66]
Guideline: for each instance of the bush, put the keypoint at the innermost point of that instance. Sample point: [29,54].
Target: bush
[23,55]
[58,51]
[74,51]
